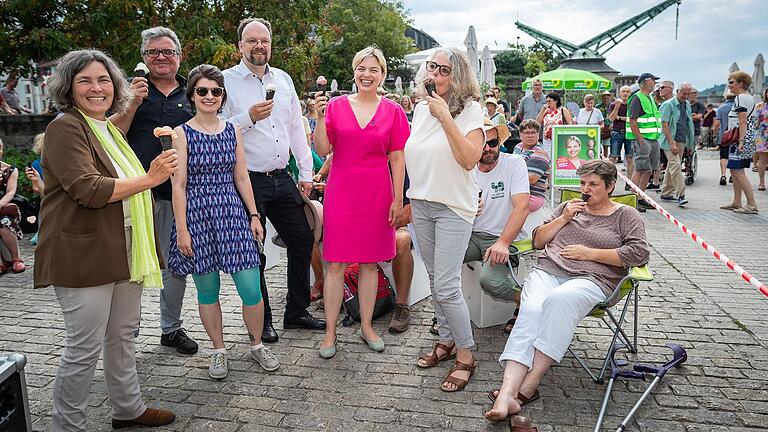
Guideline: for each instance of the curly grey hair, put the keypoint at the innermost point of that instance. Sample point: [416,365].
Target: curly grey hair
[61,82]
[158,32]
[463,88]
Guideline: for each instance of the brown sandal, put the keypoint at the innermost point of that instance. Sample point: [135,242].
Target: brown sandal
[522,424]
[458,382]
[432,359]
[521,397]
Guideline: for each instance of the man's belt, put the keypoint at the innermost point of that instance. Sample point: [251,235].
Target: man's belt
[272,173]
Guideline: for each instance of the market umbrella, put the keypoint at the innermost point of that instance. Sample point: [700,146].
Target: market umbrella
[758,77]
[570,79]
[734,67]
[471,43]
[399,86]
[487,68]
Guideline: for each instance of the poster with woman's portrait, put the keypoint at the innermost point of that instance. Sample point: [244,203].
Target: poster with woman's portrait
[572,145]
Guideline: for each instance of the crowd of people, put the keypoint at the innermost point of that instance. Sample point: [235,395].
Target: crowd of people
[149,179]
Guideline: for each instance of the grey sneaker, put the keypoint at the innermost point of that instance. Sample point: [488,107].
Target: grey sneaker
[266,359]
[218,368]
[682,201]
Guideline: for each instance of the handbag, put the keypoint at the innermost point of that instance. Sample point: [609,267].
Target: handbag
[730,136]
[10,210]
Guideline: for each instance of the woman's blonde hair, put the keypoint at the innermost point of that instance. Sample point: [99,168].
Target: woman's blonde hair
[589,97]
[741,77]
[371,51]
[37,143]
[463,88]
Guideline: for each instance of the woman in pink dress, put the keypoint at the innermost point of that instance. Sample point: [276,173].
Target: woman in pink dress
[367,134]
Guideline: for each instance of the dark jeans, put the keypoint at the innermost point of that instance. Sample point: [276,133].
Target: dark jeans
[277,198]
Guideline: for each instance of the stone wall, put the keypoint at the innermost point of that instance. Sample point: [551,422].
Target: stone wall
[18,131]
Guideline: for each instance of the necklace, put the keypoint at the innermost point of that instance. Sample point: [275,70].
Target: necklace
[206,129]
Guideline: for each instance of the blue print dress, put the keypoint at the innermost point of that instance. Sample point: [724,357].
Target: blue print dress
[216,217]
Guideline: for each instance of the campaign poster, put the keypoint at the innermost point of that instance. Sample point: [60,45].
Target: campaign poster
[572,145]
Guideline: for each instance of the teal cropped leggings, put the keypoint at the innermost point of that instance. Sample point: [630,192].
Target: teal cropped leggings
[247,281]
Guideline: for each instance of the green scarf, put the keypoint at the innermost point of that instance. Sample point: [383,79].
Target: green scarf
[145,268]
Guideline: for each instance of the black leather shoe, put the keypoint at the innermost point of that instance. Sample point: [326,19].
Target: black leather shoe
[269,335]
[304,322]
[179,340]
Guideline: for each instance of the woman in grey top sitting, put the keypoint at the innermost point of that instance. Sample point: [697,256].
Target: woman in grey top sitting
[588,246]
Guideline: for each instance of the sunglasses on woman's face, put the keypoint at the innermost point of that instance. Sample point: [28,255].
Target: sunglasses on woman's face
[493,143]
[203,91]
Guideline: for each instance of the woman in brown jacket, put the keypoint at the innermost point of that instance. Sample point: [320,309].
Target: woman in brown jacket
[96,243]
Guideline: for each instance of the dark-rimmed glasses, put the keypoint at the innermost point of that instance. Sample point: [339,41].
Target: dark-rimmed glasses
[492,143]
[215,91]
[154,53]
[442,69]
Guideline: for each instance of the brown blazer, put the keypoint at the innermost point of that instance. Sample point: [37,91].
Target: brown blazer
[81,240]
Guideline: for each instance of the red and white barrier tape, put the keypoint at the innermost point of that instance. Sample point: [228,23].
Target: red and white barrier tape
[695,237]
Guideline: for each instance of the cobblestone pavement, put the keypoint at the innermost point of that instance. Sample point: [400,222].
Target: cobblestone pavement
[693,301]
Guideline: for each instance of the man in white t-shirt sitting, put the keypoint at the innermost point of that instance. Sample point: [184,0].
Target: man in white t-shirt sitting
[503,182]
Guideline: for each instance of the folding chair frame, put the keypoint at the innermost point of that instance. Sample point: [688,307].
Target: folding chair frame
[615,326]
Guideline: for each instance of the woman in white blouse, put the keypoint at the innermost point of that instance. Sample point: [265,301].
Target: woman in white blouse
[445,144]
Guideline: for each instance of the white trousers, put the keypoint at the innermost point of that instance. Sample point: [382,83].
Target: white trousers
[550,309]
[101,317]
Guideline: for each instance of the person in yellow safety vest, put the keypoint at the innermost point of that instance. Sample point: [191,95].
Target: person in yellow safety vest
[644,127]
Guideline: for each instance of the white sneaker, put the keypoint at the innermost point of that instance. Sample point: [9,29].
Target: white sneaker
[266,359]
[218,368]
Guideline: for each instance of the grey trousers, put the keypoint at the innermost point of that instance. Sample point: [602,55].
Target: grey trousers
[442,237]
[494,279]
[101,317]
[174,286]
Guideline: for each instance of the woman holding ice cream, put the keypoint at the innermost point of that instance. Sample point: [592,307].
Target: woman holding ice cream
[362,200]
[213,232]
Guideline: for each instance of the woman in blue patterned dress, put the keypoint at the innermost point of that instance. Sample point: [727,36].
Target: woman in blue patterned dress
[213,232]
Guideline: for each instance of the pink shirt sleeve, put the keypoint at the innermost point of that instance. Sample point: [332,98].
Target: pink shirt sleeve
[400,130]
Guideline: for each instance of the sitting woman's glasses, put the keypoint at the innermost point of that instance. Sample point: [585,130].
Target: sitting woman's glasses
[493,143]
[156,52]
[443,69]
[203,91]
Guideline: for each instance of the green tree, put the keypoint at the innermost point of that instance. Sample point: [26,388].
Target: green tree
[512,61]
[43,30]
[351,25]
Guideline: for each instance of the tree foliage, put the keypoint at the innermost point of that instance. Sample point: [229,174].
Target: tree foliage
[351,25]
[526,61]
[43,30]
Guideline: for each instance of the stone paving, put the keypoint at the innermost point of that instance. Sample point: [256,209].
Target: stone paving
[694,301]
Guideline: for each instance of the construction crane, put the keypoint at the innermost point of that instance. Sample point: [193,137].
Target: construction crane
[597,46]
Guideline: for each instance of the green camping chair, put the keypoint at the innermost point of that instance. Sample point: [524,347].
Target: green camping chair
[626,290]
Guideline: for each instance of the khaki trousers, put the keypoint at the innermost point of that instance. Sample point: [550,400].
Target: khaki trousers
[100,318]
[674,183]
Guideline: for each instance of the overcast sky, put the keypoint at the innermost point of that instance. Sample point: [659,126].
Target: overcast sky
[712,34]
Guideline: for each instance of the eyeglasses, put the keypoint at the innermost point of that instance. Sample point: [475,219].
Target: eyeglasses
[529,132]
[264,42]
[731,82]
[443,69]
[154,53]
[493,143]
[203,91]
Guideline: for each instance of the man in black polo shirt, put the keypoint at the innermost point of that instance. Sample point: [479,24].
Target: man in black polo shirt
[160,100]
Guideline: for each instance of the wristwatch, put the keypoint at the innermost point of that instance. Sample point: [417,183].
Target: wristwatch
[254,215]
